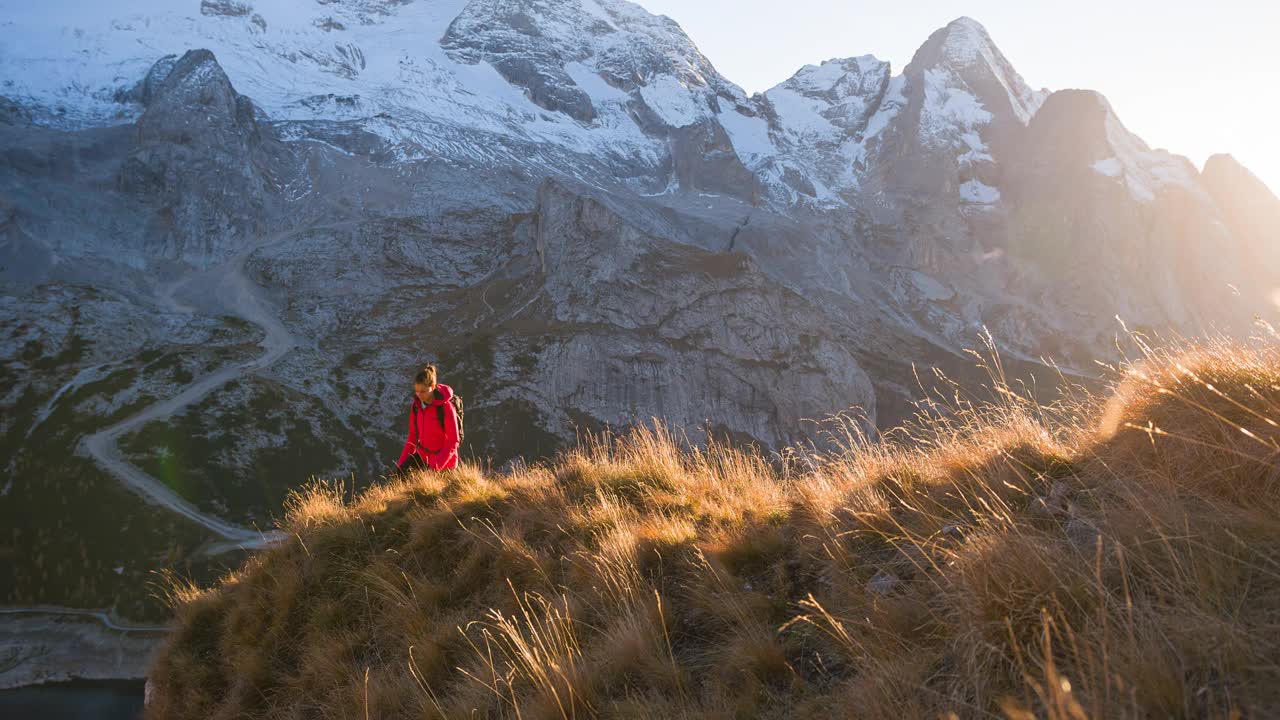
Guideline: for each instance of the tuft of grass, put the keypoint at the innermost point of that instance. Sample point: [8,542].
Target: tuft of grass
[1107,556]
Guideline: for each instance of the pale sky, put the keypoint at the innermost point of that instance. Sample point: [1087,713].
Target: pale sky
[1195,78]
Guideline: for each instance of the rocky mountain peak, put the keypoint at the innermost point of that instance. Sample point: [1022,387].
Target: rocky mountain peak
[564,206]
[561,52]
[1225,169]
[843,92]
[1249,208]
[840,80]
[189,95]
[963,54]
[1077,120]
[965,40]
[197,160]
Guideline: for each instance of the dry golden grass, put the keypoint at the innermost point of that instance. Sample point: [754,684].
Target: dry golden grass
[1104,558]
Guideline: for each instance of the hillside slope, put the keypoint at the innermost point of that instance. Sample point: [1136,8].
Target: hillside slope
[566,206]
[1102,557]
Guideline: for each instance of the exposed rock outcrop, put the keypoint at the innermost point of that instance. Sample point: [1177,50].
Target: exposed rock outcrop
[199,160]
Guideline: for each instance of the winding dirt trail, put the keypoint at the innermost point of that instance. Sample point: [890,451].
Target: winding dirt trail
[243,298]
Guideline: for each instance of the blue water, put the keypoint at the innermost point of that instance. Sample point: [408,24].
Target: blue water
[76,700]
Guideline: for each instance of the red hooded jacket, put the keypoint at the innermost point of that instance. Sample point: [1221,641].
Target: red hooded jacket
[436,445]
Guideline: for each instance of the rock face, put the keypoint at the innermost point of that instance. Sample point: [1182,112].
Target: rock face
[586,157]
[198,160]
[558,51]
[635,324]
[1251,213]
[1097,211]
[565,205]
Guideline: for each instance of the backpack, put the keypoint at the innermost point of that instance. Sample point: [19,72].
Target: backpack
[456,400]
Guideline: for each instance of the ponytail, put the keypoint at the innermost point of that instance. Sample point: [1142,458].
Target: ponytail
[426,376]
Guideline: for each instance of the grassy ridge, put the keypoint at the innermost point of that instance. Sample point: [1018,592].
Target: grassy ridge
[1104,557]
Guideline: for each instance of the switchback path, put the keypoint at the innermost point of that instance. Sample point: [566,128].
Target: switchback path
[243,298]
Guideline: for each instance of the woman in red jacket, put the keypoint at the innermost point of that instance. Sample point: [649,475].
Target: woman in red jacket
[433,425]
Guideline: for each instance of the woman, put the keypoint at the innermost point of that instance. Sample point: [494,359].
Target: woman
[433,425]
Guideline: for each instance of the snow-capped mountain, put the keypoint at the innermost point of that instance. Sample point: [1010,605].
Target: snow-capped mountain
[451,78]
[567,206]
[919,194]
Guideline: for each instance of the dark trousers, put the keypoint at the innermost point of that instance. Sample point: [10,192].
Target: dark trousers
[414,462]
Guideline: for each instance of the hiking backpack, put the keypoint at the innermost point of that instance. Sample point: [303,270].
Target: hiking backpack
[457,410]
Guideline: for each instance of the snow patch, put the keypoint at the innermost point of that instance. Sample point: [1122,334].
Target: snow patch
[1110,167]
[820,124]
[978,150]
[979,193]
[949,112]
[594,85]
[825,102]
[820,78]
[1145,171]
[676,104]
[597,11]
[968,43]
[70,62]
[893,102]
[749,135]
[800,115]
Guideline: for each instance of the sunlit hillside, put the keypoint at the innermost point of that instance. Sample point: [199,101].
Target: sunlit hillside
[1108,556]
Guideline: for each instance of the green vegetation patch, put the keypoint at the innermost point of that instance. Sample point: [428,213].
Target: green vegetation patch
[241,450]
[70,533]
